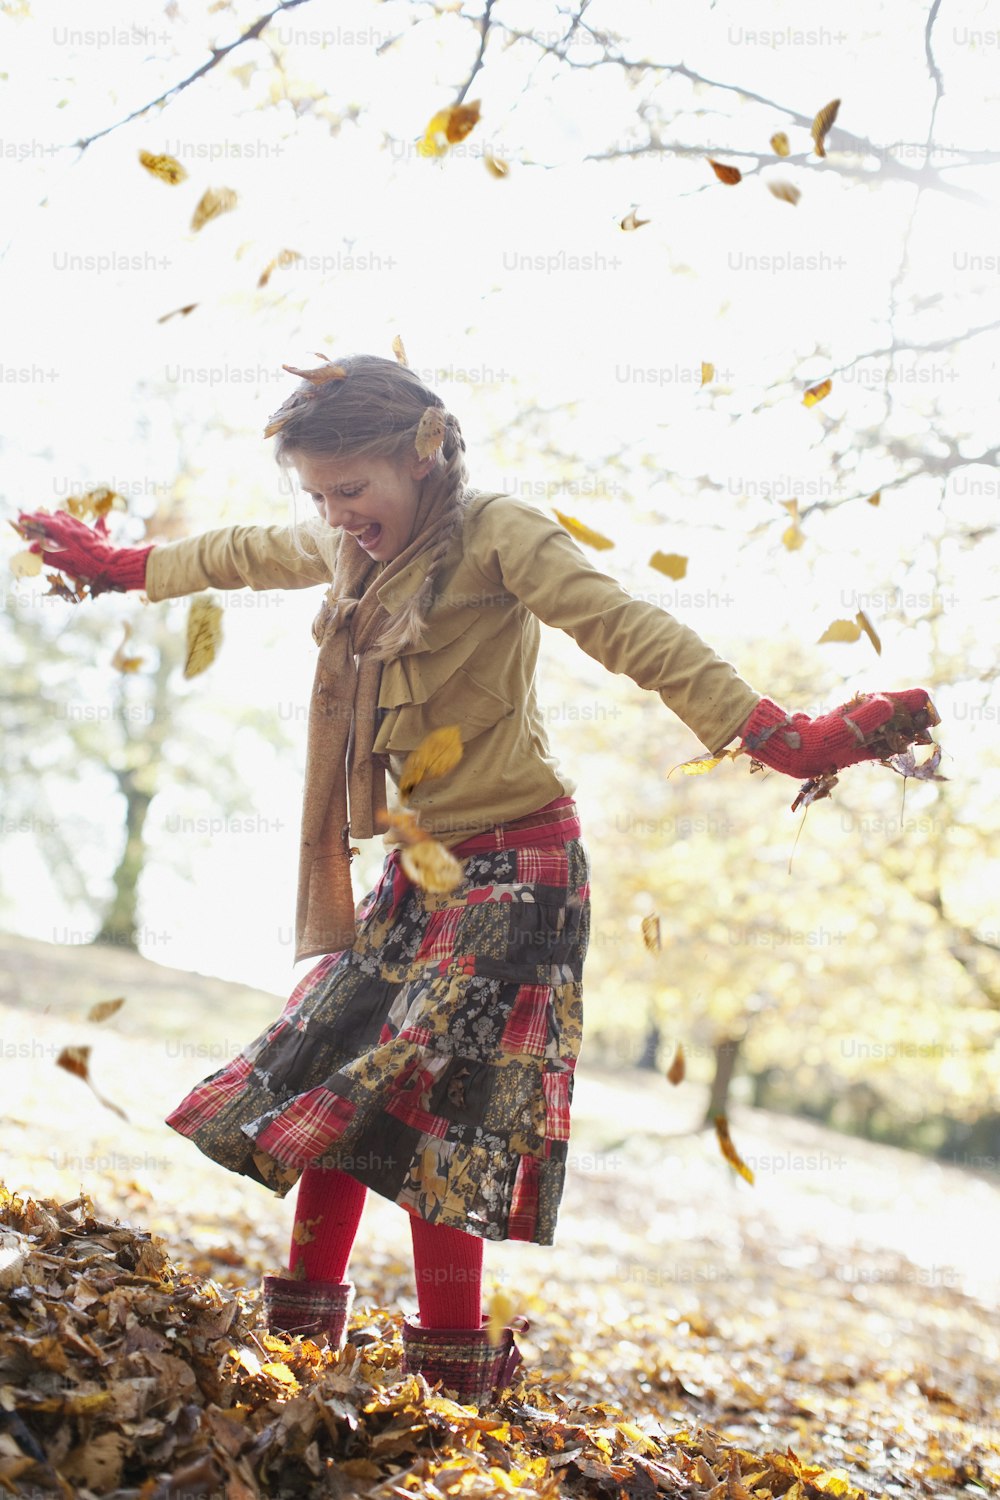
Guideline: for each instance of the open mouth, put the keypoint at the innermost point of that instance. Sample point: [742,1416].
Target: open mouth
[369,536]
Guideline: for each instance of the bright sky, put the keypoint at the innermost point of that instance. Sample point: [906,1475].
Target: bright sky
[509,295]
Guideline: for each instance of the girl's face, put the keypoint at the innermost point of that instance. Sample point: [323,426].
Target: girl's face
[372,498]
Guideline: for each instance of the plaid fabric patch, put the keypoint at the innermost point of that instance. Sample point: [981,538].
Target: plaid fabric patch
[463,1361]
[307,1307]
[432,1060]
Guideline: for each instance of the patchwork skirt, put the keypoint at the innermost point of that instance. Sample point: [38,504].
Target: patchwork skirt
[433,1060]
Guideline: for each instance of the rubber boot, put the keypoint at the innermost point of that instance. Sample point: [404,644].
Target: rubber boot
[469,1367]
[308,1309]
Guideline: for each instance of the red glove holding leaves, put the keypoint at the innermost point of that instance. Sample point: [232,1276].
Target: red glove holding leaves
[872,726]
[82,551]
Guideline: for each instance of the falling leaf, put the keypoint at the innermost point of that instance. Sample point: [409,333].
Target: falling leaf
[631,222]
[120,661]
[840,631]
[319,376]
[822,123]
[430,431]
[815,789]
[582,533]
[398,350]
[212,203]
[729,175]
[779,143]
[103,1010]
[447,127]
[282,259]
[671,563]
[432,867]
[875,499]
[495,165]
[405,826]
[178,312]
[927,770]
[869,630]
[793,537]
[728,1150]
[701,764]
[707,372]
[26,564]
[76,1060]
[651,932]
[95,503]
[302,1230]
[676,1071]
[785,191]
[817,392]
[166,168]
[500,1309]
[204,633]
[436,755]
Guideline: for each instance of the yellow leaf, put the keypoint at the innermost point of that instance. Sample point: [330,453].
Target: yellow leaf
[701,764]
[793,537]
[282,259]
[436,755]
[630,221]
[707,372]
[104,1009]
[166,168]
[496,166]
[817,392]
[398,350]
[729,175]
[204,633]
[500,1310]
[281,1373]
[447,127]
[779,143]
[670,563]
[785,191]
[432,867]
[581,533]
[95,503]
[120,661]
[822,123]
[869,630]
[651,932]
[26,564]
[728,1150]
[875,499]
[430,431]
[840,630]
[633,1434]
[675,1073]
[302,1230]
[212,203]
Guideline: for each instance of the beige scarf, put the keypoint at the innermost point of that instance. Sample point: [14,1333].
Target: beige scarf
[340,762]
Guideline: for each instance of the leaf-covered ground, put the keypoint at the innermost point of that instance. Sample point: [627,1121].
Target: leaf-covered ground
[833,1327]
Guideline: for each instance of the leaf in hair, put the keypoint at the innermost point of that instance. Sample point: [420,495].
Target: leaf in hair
[319,376]
[430,431]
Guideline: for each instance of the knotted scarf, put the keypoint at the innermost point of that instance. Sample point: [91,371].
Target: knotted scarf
[345,791]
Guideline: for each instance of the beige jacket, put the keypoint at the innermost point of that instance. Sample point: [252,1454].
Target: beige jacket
[475,667]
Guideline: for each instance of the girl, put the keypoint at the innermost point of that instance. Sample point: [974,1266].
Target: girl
[429,1054]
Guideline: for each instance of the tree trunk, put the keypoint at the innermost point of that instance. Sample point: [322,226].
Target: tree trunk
[118,926]
[726,1053]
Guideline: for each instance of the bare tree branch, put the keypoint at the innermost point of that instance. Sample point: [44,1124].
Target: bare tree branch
[484,27]
[218,53]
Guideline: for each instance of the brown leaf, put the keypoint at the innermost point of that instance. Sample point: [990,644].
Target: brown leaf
[651,932]
[430,431]
[728,1150]
[785,191]
[76,1060]
[675,1073]
[282,259]
[729,175]
[631,221]
[178,312]
[814,790]
[212,203]
[320,376]
[119,660]
[495,165]
[104,1009]
[822,123]
[875,499]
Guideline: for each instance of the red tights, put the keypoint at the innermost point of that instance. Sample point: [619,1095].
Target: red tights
[447,1263]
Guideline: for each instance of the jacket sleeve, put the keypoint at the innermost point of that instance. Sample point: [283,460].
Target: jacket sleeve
[263,557]
[536,559]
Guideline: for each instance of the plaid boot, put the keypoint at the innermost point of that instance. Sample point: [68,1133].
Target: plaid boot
[463,1359]
[308,1309]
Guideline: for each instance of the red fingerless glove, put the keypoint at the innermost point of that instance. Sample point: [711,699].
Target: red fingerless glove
[81,551]
[803,747]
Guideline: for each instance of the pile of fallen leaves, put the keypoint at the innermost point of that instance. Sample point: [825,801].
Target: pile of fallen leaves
[124,1375]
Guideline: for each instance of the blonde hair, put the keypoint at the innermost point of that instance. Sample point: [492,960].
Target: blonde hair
[373,412]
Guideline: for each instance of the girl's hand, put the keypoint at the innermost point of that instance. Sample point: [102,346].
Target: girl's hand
[802,747]
[81,551]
